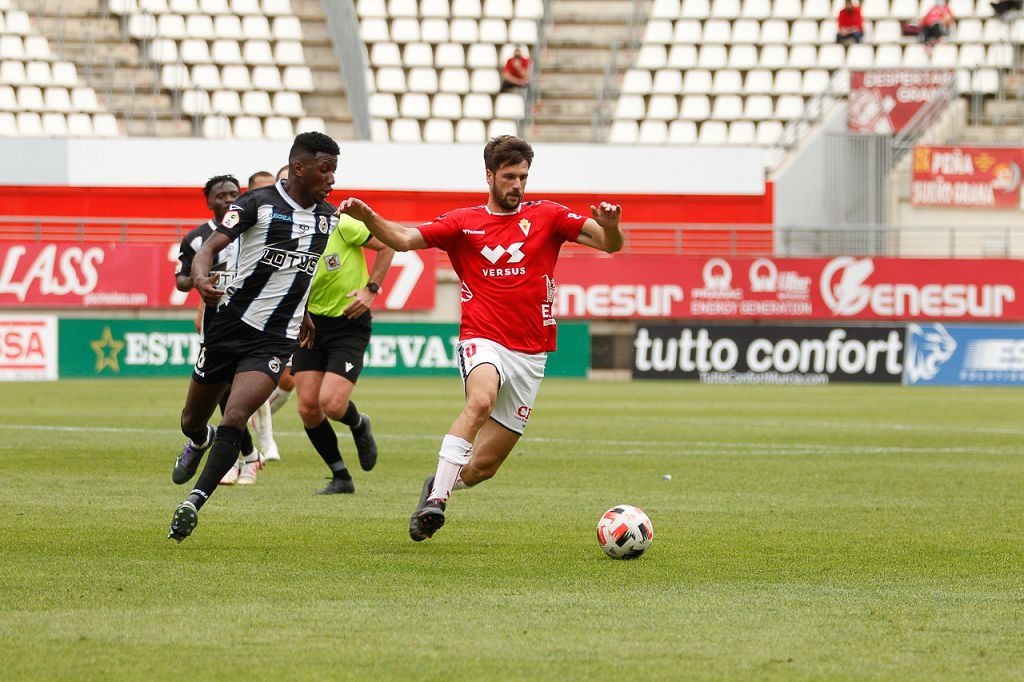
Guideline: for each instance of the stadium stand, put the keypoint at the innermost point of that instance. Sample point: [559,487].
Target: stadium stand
[435,66]
[41,94]
[704,72]
[736,71]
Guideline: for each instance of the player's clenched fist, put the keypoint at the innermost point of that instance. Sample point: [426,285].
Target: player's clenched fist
[206,286]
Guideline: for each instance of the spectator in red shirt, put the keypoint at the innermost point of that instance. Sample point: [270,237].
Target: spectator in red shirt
[851,24]
[937,24]
[516,73]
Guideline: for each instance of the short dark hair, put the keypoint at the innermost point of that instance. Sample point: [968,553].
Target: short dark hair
[216,180]
[312,142]
[259,174]
[506,150]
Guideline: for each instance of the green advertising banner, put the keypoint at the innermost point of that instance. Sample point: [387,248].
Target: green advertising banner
[97,347]
[126,348]
[418,349]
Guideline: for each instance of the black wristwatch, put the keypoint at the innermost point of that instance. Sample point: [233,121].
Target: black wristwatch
[373,287]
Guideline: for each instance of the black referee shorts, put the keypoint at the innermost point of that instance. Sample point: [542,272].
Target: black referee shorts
[338,346]
[230,346]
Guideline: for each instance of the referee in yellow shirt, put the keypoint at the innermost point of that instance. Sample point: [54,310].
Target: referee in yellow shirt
[340,298]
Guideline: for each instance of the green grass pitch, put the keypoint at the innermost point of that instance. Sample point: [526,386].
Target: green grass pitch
[840,532]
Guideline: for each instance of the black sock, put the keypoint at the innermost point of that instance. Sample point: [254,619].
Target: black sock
[351,416]
[246,445]
[223,456]
[325,441]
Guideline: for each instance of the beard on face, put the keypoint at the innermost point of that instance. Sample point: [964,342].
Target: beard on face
[510,201]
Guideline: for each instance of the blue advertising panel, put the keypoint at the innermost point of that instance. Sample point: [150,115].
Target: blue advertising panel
[963,355]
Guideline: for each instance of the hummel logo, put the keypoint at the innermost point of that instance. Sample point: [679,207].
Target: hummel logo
[514,254]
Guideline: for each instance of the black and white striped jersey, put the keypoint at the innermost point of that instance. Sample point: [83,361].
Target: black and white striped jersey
[225,262]
[279,245]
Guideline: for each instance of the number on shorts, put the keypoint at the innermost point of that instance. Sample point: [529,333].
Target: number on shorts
[201,360]
[470,350]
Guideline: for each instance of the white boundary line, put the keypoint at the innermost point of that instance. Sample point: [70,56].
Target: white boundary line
[681,447]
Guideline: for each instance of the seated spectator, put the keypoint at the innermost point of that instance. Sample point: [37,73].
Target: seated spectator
[516,73]
[937,24]
[851,24]
[1005,6]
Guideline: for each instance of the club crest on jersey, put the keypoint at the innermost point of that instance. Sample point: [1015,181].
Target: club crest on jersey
[322,225]
[332,261]
[275,364]
[230,218]
[524,225]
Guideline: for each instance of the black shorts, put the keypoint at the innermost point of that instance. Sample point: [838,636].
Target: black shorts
[230,347]
[338,346]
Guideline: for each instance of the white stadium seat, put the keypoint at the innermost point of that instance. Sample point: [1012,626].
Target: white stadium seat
[478,105]
[624,132]
[470,130]
[653,132]
[247,128]
[682,132]
[438,131]
[628,106]
[713,133]
[415,106]
[267,78]
[661,108]
[742,133]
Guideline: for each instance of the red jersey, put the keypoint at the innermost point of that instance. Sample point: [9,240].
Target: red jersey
[851,18]
[506,262]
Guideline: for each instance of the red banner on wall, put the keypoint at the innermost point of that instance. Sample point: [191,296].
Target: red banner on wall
[967,177]
[109,275]
[791,288]
[883,101]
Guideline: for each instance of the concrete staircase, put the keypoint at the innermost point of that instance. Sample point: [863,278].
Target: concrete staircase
[580,70]
[127,83]
[1002,115]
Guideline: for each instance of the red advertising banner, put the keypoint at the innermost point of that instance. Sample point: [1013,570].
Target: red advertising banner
[967,177]
[883,101]
[843,288]
[113,275]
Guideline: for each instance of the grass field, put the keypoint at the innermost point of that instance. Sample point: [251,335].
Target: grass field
[832,532]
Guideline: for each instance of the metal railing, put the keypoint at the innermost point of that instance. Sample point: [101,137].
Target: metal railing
[534,92]
[641,239]
[609,91]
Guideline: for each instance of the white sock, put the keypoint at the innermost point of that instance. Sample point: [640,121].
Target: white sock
[460,484]
[278,398]
[453,456]
[251,457]
[263,422]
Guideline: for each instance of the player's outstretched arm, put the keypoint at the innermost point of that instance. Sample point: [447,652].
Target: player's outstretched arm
[602,231]
[397,236]
[204,283]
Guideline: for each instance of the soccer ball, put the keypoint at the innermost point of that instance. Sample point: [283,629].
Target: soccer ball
[624,532]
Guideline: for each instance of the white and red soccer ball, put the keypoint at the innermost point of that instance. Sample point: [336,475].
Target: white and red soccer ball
[625,532]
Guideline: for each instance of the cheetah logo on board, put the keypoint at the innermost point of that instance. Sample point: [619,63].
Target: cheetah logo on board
[495,254]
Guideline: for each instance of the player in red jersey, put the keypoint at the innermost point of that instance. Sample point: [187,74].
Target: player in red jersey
[504,252]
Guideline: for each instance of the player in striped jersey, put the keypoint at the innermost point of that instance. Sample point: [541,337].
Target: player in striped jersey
[260,315]
[220,191]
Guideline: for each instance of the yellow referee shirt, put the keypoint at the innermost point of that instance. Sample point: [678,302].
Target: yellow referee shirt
[342,268]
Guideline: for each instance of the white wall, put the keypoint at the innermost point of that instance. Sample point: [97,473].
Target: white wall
[145,162]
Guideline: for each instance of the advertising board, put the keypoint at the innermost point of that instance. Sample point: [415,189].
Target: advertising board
[28,347]
[967,177]
[827,289]
[964,355]
[720,354]
[119,275]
